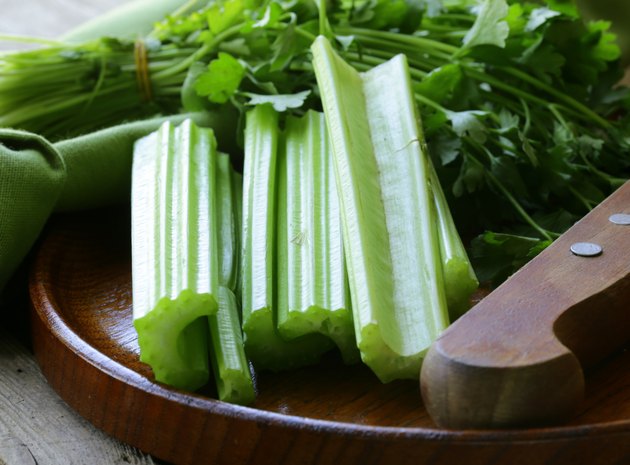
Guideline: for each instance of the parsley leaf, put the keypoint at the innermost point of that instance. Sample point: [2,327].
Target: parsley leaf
[490,26]
[221,80]
[279,102]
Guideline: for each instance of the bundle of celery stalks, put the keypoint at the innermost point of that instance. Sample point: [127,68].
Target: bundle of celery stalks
[338,235]
[348,143]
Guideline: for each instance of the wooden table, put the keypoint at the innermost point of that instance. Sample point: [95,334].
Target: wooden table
[36,426]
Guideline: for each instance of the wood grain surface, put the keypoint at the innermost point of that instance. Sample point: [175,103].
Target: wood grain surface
[327,414]
[37,426]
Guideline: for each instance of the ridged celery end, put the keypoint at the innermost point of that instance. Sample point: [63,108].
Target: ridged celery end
[231,369]
[174,269]
[173,340]
[387,365]
[460,281]
[268,351]
[230,365]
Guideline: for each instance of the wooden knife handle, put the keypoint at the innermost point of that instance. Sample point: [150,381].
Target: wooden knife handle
[517,358]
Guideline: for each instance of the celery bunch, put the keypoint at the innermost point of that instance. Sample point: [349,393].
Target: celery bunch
[338,234]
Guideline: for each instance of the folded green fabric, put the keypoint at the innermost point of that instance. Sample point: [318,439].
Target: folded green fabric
[98,165]
[37,178]
[32,175]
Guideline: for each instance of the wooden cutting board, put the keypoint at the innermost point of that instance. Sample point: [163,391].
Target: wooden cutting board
[86,347]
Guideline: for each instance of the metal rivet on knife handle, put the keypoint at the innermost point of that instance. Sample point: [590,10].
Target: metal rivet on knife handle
[620,218]
[586,249]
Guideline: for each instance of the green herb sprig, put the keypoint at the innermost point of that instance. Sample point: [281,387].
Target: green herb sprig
[525,123]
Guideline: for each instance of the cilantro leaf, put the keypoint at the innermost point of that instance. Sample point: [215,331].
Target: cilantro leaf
[471,178]
[440,83]
[221,80]
[279,102]
[223,14]
[445,147]
[490,27]
[468,123]
[538,17]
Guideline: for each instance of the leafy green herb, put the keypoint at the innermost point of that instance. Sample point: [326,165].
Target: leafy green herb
[518,98]
[279,102]
[490,26]
[221,80]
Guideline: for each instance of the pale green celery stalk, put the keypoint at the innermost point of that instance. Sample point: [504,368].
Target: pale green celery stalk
[310,250]
[263,344]
[229,363]
[237,202]
[388,216]
[227,233]
[460,280]
[174,261]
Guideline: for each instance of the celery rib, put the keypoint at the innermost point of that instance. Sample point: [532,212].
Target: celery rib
[227,355]
[460,280]
[388,217]
[263,344]
[174,269]
[310,250]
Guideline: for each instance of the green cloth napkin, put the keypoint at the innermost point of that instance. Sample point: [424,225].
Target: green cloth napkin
[38,178]
[32,175]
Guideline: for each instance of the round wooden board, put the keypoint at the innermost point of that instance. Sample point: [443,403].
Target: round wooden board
[328,414]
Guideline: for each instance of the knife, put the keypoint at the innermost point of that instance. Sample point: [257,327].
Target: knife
[517,358]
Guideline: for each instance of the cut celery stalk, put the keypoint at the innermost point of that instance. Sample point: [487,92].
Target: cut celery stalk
[310,251]
[230,366]
[227,244]
[460,280]
[388,216]
[229,363]
[174,270]
[237,205]
[263,344]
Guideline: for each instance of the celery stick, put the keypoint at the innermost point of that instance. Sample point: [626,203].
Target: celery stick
[388,216]
[237,205]
[229,363]
[227,243]
[263,344]
[310,251]
[174,269]
[227,356]
[460,280]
